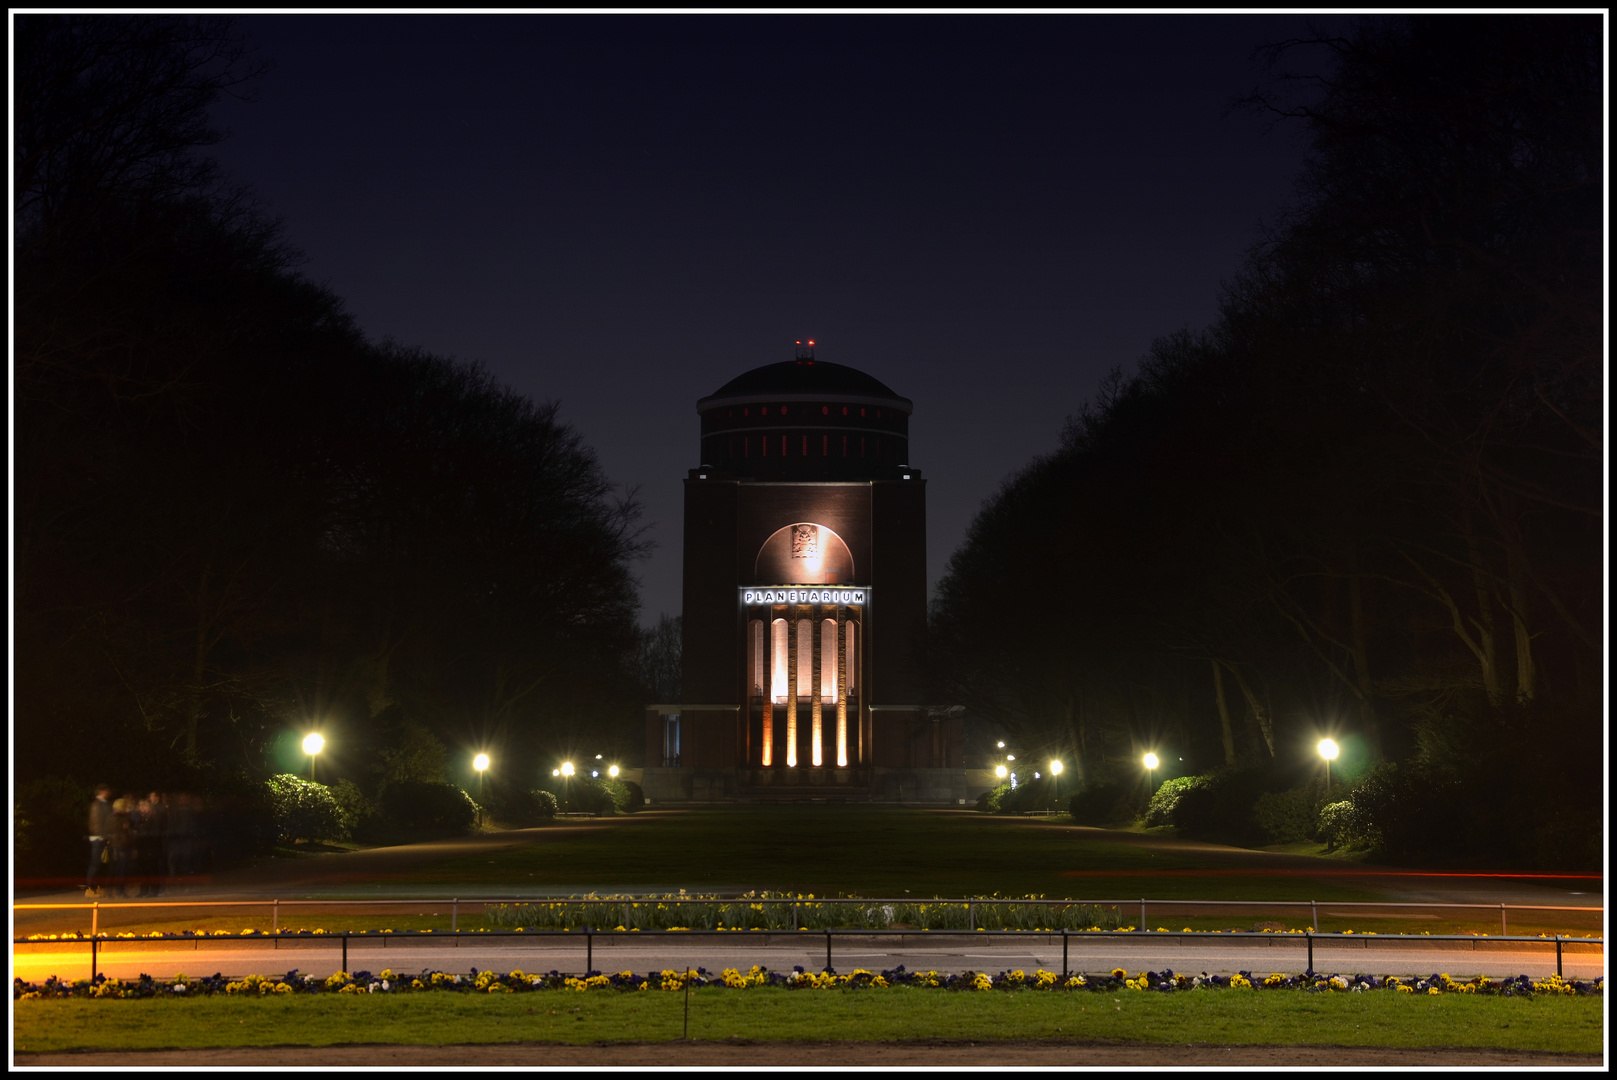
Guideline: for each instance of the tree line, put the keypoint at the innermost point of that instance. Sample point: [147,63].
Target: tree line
[1366,501]
[237,519]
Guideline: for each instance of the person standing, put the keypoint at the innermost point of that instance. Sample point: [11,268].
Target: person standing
[121,843]
[100,829]
[149,828]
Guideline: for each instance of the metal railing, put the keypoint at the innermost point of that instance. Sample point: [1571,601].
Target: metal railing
[589,934]
[971,904]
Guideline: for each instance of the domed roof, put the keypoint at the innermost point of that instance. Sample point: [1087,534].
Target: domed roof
[804,379]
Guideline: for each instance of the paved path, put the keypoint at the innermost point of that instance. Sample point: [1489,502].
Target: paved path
[781,952]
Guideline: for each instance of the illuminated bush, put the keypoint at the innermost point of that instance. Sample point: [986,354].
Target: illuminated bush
[303,810]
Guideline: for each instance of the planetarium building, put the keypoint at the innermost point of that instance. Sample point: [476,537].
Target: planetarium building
[804,602]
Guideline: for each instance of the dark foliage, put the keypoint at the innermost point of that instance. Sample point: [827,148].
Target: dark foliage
[236,518]
[1367,499]
[637,796]
[420,806]
[1099,804]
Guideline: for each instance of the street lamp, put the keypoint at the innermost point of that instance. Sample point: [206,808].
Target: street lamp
[1055,768]
[313,743]
[1002,772]
[567,768]
[1151,763]
[612,771]
[1328,750]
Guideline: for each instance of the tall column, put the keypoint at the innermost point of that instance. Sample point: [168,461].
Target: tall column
[791,687]
[816,647]
[842,687]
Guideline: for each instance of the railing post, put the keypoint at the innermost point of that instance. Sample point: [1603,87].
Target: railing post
[794,914]
[626,916]
[589,951]
[454,915]
[828,950]
[1063,953]
[1310,937]
[1502,931]
[1558,954]
[94,941]
[275,922]
[971,916]
[95,921]
[345,950]
[1142,913]
[1313,915]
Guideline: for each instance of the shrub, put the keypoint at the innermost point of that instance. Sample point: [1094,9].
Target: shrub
[594,795]
[1160,811]
[1098,803]
[352,805]
[55,810]
[303,810]
[637,796]
[1042,793]
[426,806]
[1221,807]
[1288,816]
[988,802]
[1341,824]
[513,806]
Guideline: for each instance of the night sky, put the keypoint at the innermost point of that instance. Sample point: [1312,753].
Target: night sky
[621,213]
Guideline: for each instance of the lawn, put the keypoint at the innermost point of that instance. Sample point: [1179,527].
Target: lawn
[872,851]
[824,851]
[1375,1018]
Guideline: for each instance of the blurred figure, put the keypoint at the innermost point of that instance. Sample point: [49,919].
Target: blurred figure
[121,844]
[179,835]
[99,828]
[148,822]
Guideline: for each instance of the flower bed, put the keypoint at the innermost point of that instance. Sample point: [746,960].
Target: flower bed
[489,982]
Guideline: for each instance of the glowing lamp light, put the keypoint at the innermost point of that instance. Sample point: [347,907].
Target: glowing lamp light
[1328,750]
[313,743]
[1055,768]
[1151,761]
[1010,757]
[612,772]
[480,762]
[1001,745]
[567,768]
[1002,772]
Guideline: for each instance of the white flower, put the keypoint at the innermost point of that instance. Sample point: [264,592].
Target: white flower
[178,988]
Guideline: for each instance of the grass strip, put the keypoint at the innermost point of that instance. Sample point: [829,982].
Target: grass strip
[1384,1019]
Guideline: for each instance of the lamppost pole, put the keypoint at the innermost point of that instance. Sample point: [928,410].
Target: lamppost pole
[313,743]
[1328,750]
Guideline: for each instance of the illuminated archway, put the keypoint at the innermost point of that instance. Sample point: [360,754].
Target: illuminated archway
[804,553]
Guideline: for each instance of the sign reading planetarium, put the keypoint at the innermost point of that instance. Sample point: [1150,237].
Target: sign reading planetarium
[797,594]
